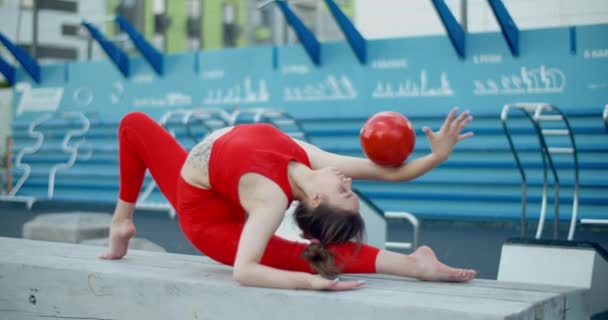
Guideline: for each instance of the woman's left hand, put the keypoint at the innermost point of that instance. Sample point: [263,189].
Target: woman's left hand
[442,142]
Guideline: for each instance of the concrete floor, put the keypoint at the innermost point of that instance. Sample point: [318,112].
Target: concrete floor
[470,244]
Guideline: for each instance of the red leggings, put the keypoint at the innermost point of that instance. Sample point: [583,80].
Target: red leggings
[211,223]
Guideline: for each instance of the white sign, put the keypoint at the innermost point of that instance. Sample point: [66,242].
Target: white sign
[38,99]
[389,63]
[413,88]
[171,99]
[332,88]
[295,69]
[595,54]
[534,80]
[245,93]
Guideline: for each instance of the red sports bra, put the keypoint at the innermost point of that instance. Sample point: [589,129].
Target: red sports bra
[253,148]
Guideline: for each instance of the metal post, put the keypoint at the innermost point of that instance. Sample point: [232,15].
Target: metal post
[89,49]
[34,29]
[464,15]
[9,164]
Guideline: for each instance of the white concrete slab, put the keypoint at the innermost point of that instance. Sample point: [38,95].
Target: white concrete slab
[576,264]
[45,279]
[72,227]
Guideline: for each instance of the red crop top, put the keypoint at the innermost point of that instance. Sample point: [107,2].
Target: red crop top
[253,148]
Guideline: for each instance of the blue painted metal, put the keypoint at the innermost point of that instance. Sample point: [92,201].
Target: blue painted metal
[7,70]
[150,53]
[453,28]
[507,25]
[29,64]
[118,57]
[573,40]
[275,58]
[353,36]
[307,38]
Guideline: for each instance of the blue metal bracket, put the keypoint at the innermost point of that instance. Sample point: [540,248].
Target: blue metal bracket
[7,70]
[353,36]
[118,57]
[306,37]
[29,64]
[507,25]
[150,53]
[573,40]
[453,28]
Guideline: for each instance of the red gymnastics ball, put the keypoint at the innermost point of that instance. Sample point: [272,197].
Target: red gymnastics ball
[388,138]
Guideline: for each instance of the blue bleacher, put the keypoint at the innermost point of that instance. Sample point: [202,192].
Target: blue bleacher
[479,181]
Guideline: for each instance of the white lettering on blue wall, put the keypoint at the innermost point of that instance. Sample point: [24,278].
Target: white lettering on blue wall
[527,80]
[596,54]
[487,58]
[389,63]
[295,69]
[212,74]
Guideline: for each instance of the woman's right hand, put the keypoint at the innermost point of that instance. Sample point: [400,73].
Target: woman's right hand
[319,283]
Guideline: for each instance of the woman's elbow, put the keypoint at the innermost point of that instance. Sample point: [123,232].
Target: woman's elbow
[241,275]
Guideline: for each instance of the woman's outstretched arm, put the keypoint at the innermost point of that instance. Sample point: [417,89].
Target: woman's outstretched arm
[442,143]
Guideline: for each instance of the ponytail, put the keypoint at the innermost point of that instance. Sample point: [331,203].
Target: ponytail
[327,225]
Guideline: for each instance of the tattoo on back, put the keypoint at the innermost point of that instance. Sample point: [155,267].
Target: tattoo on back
[199,155]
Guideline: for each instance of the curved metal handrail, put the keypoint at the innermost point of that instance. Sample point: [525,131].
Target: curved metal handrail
[533,112]
[536,110]
[272,115]
[71,150]
[169,114]
[574,214]
[205,116]
[546,157]
[402,215]
[39,136]
[524,185]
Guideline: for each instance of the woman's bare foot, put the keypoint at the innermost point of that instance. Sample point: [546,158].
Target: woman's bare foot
[432,269]
[120,233]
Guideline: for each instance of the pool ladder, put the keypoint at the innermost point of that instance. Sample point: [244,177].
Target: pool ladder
[599,221]
[539,113]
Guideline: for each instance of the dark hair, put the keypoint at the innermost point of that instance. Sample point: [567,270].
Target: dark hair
[328,225]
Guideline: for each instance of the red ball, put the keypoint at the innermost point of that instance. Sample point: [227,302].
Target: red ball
[388,138]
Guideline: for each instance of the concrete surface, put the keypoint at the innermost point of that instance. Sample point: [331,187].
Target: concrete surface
[45,279]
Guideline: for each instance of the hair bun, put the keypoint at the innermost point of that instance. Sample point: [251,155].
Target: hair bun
[315,252]
[321,259]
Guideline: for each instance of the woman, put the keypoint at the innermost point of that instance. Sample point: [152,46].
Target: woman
[258,170]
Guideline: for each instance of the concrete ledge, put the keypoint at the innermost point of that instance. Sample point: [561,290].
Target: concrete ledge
[72,227]
[134,243]
[45,279]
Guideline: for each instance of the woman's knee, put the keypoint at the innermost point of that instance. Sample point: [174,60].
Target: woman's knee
[134,120]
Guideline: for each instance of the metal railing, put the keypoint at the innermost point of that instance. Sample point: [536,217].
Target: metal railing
[72,150]
[599,221]
[26,168]
[405,216]
[537,113]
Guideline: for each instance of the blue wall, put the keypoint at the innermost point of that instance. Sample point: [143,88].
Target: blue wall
[421,77]
[411,75]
